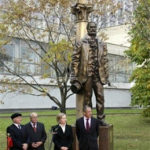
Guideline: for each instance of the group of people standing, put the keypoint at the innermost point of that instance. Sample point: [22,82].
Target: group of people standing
[32,136]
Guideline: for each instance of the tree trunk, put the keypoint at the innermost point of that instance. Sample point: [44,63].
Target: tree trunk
[63,103]
[63,109]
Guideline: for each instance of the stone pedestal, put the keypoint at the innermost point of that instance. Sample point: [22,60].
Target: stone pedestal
[105,139]
[75,141]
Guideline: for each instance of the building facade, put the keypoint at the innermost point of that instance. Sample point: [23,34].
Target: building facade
[23,60]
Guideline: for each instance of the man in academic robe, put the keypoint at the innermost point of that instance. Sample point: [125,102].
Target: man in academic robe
[16,133]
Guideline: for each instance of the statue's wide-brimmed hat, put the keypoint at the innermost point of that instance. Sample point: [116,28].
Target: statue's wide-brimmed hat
[76,87]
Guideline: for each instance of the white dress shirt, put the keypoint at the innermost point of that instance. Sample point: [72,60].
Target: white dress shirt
[17,125]
[63,127]
[33,126]
[85,120]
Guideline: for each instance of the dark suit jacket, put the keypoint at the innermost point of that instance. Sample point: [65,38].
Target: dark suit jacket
[87,139]
[62,139]
[39,135]
[17,136]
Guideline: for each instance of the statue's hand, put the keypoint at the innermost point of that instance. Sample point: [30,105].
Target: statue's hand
[73,79]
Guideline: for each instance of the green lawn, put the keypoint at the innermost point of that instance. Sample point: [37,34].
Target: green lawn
[131,130]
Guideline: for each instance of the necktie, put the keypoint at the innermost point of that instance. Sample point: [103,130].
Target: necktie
[34,127]
[87,125]
[19,127]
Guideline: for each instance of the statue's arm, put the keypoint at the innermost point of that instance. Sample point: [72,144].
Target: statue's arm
[76,58]
[105,62]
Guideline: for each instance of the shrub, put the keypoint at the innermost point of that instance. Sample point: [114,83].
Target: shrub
[146,112]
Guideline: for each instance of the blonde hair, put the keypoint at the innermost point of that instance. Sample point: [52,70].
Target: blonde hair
[59,116]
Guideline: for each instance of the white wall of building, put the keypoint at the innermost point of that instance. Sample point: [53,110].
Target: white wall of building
[118,35]
[114,97]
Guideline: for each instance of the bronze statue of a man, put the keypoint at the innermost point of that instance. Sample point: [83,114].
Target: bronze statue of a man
[90,69]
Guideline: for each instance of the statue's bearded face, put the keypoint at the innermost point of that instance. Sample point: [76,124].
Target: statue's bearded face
[91,29]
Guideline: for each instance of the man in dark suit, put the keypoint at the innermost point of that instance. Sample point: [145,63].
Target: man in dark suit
[35,133]
[87,129]
[16,132]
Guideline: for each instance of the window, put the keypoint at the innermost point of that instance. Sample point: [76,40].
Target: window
[20,57]
[122,15]
[120,69]
[29,60]
[7,57]
[37,23]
